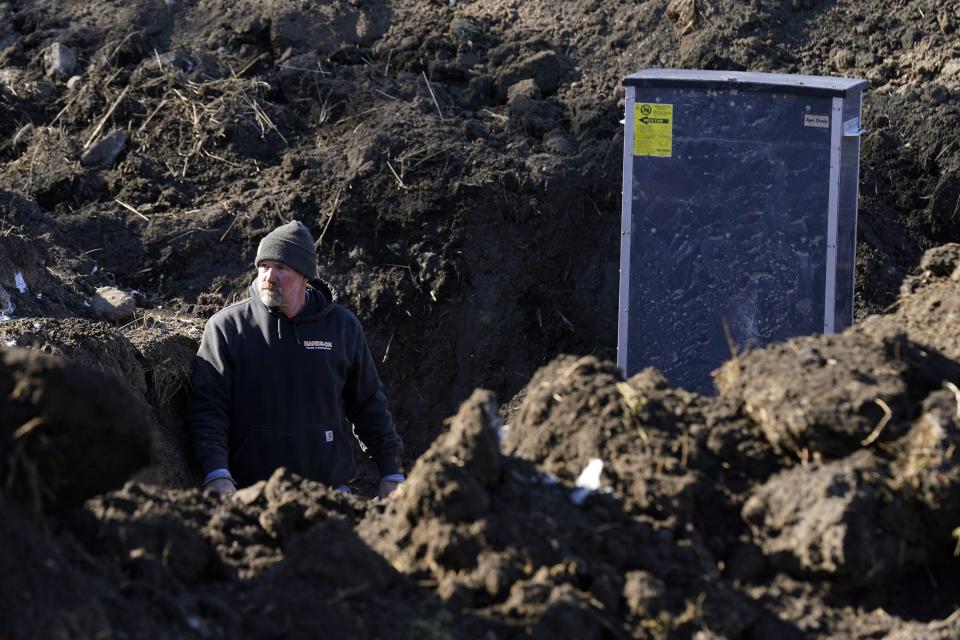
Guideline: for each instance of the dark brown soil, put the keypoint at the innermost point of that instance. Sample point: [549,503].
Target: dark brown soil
[460,164]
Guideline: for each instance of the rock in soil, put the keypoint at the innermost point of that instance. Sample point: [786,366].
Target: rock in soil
[60,60]
[103,153]
[114,305]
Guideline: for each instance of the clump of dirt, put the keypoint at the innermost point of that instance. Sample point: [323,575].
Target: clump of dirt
[44,595]
[282,560]
[827,396]
[68,432]
[678,457]
[928,307]
[839,518]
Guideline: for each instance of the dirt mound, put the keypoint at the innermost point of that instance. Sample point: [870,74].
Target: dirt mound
[870,516]
[678,457]
[928,305]
[505,541]
[69,432]
[283,560]
[152,359]
[43,595]
[827,396]
[839,518]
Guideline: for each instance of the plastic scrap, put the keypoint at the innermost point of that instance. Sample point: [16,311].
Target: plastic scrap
[588,482]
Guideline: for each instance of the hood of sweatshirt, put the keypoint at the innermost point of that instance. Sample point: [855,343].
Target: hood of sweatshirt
[320,301]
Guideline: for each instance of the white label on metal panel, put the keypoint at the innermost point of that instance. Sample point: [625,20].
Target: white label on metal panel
[820,122]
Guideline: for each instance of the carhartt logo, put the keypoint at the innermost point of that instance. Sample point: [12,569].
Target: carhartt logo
[318,344]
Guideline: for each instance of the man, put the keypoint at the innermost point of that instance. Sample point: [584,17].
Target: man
[277,373]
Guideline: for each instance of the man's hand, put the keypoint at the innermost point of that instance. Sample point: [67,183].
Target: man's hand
[386,488]
[225,487]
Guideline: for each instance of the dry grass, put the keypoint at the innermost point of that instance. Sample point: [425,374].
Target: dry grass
[161,107]
[633,403]
[203,112]
[690,15]
[168,381]
[45,162]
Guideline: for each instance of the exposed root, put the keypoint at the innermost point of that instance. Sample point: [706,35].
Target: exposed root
[887,416]
[169,381]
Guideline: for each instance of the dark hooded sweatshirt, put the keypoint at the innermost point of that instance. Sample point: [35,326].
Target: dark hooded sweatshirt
[271,391]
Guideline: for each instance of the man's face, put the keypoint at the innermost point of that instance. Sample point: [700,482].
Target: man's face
[280,286]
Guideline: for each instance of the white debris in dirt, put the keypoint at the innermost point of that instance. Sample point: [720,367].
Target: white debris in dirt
[39,296]
[10,343]
[193,622]
[94,270]
[36,325]
[588,482]
[86,303]
[590,476]
[20,282]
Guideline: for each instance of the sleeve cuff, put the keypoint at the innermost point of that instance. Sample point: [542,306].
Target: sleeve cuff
[389,465]
[217,474]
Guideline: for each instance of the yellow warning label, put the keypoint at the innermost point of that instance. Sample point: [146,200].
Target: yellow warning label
[653,130]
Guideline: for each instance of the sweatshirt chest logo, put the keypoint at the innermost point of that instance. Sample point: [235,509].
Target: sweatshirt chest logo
[315,345]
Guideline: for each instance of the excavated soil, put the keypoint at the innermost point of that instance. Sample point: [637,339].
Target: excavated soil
[460,166]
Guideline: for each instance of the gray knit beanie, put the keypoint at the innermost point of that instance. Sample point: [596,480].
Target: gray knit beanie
[292,245]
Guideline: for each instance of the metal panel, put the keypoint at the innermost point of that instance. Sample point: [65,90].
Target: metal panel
[747,81]
[736,223]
